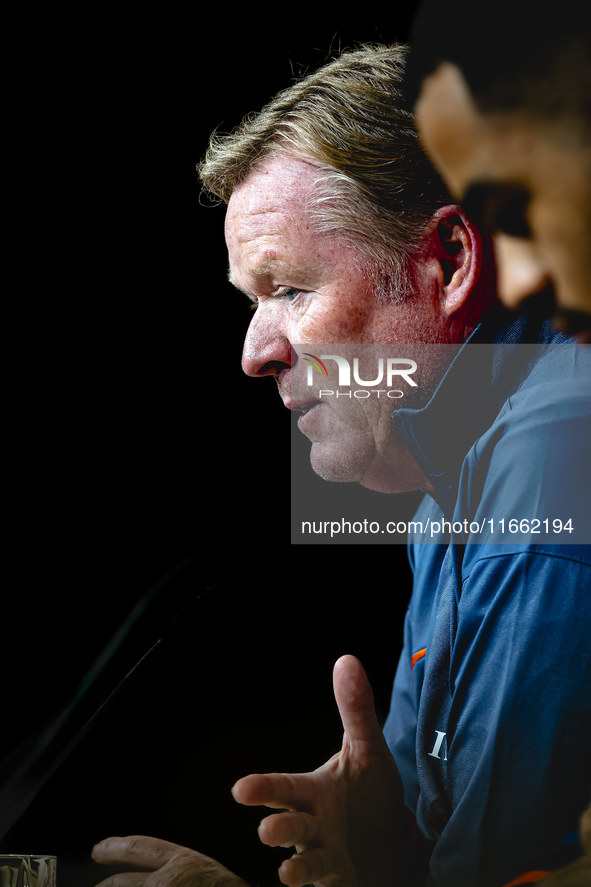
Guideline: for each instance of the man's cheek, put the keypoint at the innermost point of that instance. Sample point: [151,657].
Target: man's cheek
[322,323]
[341,413]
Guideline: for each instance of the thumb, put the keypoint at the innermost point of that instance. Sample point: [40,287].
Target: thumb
[354,698]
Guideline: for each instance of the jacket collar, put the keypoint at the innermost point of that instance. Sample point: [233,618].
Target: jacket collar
[486,370]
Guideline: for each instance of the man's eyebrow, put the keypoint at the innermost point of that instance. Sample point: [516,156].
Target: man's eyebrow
[262,270]
[232,280]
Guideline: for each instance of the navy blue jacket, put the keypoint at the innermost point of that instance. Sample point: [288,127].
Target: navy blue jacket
[490,719]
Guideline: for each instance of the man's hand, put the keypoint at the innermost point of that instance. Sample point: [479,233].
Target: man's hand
[344,819]
[168,864]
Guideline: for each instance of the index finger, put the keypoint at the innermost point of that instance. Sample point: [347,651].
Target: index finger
[291,791]
[136,850]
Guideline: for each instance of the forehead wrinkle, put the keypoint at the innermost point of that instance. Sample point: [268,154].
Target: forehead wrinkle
[253,232]
[258,202]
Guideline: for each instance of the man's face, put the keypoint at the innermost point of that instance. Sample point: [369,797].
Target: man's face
[530,184]
[308,290]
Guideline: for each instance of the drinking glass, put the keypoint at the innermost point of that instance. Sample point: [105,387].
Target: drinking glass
[25,870]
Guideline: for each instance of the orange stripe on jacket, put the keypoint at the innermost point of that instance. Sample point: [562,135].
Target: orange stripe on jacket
[416,656]
[527,878]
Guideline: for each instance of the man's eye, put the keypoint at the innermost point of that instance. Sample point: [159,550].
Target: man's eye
[291,293]
[499,207]
[511,220]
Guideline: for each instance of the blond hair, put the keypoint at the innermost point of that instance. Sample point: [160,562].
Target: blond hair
[376,188]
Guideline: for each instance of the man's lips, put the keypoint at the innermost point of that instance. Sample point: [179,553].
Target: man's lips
[309,411]
[305,407]
[302,405]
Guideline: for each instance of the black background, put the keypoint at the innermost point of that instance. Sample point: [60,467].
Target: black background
[135,441]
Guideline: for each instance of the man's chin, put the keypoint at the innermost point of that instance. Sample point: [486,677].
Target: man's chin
[337,464]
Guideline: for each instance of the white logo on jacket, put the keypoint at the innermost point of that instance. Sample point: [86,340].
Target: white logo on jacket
[439,741]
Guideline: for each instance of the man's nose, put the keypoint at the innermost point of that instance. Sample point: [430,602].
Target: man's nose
[521,273]
[266,351]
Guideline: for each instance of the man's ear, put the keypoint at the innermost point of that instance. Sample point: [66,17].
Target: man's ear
[455,246]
